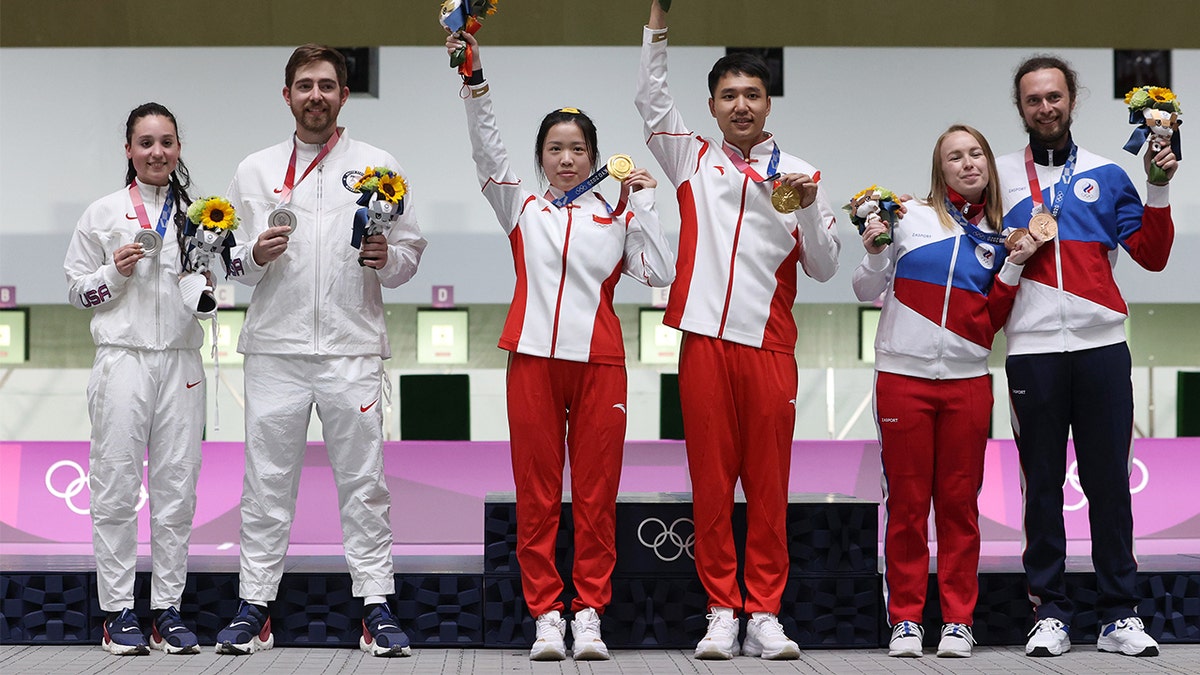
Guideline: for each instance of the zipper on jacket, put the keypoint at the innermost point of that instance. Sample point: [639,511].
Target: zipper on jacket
[946,299]
[158,272]
[317,262]
[737,233]
[562,282]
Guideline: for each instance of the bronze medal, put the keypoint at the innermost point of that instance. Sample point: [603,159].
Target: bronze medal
[620,166]
[785,198]
[1015,236]
[1043,226]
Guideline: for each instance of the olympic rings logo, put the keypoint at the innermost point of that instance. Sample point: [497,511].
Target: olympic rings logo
[76,484]
[1073,481]
[676,545]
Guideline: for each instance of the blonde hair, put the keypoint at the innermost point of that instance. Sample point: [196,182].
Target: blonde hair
[938,190]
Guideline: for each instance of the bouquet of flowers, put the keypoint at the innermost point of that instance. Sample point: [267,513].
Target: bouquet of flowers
[382,202]
[874,203]
[209,231]
[464,15]
[1155,111]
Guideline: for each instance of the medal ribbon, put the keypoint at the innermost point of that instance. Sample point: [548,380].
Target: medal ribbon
[139,207]
[971,229]
[1035,190]
[289,179]
[588,183]
[743,166]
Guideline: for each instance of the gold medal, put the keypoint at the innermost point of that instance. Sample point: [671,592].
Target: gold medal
[1014,237]
[785,198]
[620,166]
[1043,226]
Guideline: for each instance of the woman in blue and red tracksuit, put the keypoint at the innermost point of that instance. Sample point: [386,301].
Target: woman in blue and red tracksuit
[567,353]
[948,286]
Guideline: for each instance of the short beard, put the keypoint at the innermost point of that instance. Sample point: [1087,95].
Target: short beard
[1049,141]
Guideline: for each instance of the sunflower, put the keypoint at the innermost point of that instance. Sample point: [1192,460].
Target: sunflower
[391,187]
[1161,94]
[1129,94]
[218,214]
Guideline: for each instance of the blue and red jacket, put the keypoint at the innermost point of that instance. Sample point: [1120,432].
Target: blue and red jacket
[1069,300]
[946,295]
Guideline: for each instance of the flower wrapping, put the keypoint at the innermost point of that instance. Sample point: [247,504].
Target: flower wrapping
[464,15]
[209,232]
[874,202]
[1156,113]
[382,202]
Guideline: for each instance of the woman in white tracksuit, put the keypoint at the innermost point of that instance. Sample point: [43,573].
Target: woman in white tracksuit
[566,351]
[147,386]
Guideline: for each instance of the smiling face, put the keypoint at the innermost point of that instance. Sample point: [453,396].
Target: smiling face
[315,99]
[1046,106]
[964,165]
[740,105]
[153,148]
[566,158]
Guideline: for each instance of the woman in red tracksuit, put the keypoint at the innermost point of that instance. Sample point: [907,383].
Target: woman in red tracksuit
[566,372]
[948,286]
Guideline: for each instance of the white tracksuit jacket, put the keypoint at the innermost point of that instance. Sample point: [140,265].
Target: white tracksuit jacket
[567,260]
[146,392]
[736,276]
[315,336]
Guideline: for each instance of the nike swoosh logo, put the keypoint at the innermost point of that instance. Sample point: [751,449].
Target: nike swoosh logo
[619,406]
[129,217]
[278,191]
[172,629]
[367,407]
[192,384]
[128,629]
[239,623]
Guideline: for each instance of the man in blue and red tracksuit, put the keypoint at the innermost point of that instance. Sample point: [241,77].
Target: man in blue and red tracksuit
[1068,365]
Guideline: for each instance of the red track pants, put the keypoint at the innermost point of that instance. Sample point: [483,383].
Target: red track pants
[933,434]
[543,394]
[739,414]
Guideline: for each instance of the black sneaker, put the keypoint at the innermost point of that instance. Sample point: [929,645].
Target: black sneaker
[249,632]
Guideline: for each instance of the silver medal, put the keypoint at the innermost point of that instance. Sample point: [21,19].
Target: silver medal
[282,217]
[150,240]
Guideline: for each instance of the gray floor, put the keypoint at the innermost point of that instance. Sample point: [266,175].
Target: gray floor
[1084,659]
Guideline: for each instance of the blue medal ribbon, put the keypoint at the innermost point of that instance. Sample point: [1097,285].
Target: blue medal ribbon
[971,230]
[589,183]
[166,212]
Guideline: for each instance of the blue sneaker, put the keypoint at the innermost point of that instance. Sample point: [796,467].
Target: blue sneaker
[249,632]
[382,635]
[123,636]
[170,635]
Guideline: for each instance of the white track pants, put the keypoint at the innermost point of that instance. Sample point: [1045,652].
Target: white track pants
[141,400]
[280,394]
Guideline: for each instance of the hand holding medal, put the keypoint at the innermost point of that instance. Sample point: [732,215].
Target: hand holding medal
[874,204]
[793,191]
[1155,111]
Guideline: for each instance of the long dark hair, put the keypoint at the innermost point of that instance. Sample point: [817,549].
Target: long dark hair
[180,179]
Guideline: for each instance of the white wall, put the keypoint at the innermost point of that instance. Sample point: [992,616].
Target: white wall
[866,115]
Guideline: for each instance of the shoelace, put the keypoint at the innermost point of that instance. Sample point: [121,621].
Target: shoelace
[546,623]
[716,620]
[906,628]
[1131,623]
[589,624]
[1047,626]
[959,630]
[769,626]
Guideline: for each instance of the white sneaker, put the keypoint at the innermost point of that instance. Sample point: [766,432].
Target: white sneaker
[765,638]
[907,637]
[956,641]
[1048,638]
[549,643]
[585,629]
[1128,637]
[721,640]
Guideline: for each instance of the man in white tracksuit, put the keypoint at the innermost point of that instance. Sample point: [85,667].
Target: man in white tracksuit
[315,336]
